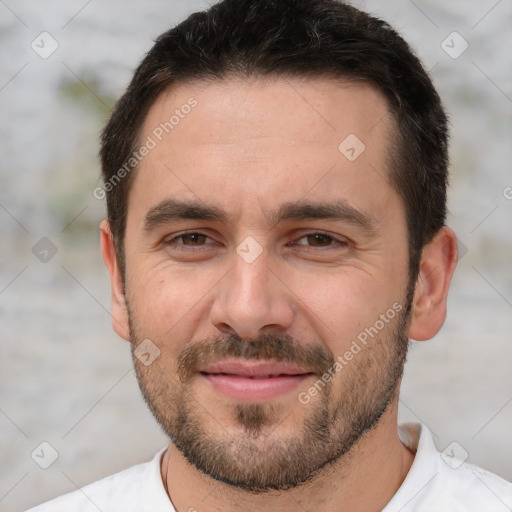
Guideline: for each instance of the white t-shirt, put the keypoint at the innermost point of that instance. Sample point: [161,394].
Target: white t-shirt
[435,483]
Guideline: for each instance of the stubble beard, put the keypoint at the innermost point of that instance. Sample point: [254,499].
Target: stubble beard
[257,454]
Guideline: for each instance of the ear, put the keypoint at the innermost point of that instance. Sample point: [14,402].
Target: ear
[120,321]
[437,264]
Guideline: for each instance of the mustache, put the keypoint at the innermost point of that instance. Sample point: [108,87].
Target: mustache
[270,347]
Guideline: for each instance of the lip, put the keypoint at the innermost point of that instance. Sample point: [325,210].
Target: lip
[259,369]
[253,381]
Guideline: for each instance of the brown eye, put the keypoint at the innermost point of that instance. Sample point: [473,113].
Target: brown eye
[194,238]
[320,240]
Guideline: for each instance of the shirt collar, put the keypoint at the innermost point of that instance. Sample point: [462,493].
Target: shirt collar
[156,497]
[425,467]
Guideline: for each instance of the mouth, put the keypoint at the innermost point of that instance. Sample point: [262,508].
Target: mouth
[253,381]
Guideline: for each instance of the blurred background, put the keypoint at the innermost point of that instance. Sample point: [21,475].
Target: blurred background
[66,378]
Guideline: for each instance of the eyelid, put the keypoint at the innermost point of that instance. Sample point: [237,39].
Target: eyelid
[335,238]
[298,236]
[172,239]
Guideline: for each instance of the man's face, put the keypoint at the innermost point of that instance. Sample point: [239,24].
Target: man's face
[273,281]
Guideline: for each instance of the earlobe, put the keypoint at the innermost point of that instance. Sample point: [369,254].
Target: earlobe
[120,319]
[438,262]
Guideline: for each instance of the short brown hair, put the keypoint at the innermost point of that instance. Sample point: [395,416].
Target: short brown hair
[294,38]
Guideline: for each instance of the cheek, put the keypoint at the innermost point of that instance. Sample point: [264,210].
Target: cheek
[166,300]
[341,304]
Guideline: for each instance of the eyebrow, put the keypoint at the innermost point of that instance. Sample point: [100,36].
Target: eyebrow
[171,210]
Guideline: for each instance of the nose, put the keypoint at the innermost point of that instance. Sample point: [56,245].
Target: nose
[252,298]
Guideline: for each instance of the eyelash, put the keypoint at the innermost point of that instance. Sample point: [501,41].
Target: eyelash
[343,243]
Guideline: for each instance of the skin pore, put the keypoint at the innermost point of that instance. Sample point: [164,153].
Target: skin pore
[262,156]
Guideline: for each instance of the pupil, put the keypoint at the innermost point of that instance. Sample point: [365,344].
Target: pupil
[320,238]
[194,237]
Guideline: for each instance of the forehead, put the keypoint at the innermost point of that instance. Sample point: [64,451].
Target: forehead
[244,140]
[267,106]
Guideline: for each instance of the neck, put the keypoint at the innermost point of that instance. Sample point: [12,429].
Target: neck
[365,479]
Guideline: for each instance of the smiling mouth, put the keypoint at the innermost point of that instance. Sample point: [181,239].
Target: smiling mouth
[253,381]
[258,376]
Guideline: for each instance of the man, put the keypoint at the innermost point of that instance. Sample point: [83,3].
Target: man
[275,178]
